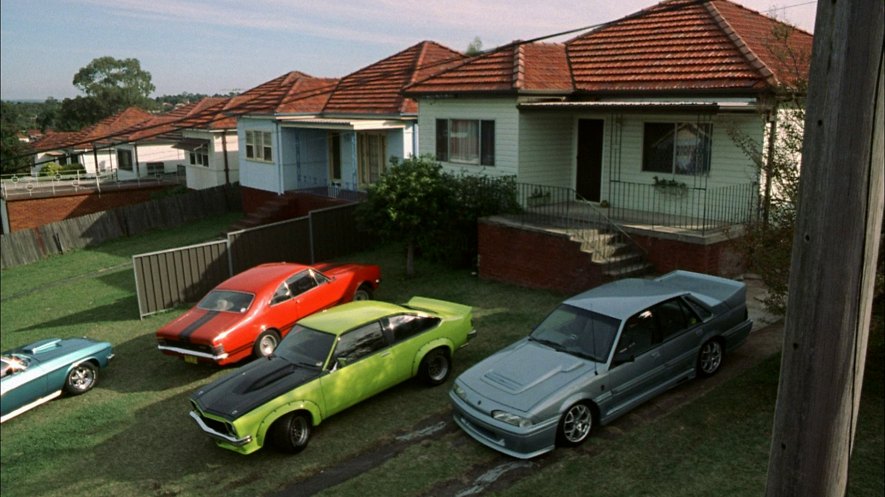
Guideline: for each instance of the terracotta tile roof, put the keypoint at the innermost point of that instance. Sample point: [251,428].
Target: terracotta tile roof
[377,89]
[680,45]
[293,92]
[674,46]
[515,67]
[114,125]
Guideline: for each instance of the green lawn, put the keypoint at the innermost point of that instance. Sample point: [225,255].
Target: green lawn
[132,436]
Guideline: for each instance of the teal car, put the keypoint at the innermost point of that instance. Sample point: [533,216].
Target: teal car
[328,362]
[39,372]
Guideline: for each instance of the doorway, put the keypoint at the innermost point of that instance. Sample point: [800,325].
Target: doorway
[588,178]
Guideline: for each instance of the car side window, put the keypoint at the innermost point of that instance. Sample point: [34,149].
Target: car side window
[673,317]
[702,312]
[319,277]
[640,334]
[405,326]
[356,344]
[301,283]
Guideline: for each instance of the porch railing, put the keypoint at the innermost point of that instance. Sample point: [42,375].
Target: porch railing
[563,209]
[679,206]
[26,185]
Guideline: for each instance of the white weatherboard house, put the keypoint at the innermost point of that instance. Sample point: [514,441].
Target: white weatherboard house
[634,119]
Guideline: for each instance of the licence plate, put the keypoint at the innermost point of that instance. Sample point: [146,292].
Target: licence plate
[190,359]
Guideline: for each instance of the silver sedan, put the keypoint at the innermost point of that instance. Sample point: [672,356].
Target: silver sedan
[598,355]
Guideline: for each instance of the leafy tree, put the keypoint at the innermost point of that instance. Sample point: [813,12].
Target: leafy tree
[14,153]
[406,203]
[768,241]
[474,47]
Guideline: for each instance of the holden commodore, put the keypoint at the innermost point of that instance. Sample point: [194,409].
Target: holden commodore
[328,362]
[248,314]
[39,372]
[598,355]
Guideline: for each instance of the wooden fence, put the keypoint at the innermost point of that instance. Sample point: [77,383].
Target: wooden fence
[172,277]
[27,246]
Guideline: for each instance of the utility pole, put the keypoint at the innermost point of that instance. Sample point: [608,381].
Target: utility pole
[834,254]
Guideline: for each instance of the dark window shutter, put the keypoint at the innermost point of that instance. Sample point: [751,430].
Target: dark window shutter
[442,140]
[487,143]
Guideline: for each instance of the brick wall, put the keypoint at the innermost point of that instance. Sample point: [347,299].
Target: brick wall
[535,259]
[297,204]
[722,258]
[34,212]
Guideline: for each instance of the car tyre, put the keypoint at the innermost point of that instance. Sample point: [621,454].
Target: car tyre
[575,425]
[266,343]
[81,378]
[435,367]
[710,358]
[364,292]
[291,432]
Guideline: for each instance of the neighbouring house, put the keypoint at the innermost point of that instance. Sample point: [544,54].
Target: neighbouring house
[90,146]
[620,136]
[332,136]
[209,137]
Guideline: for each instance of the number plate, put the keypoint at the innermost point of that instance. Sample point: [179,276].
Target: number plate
[190,359]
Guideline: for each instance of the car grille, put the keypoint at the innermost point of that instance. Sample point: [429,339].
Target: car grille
[219,426]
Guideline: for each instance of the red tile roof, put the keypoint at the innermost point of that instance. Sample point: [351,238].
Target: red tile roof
[515,67]
[114,125]
[377,89]
[674,46]
[293,92]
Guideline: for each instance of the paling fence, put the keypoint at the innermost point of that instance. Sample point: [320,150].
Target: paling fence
[172,277]
[31,245]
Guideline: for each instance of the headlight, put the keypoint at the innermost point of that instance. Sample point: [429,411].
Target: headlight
[460,392]
[511,419]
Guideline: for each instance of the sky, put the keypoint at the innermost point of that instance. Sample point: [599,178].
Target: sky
[220,46]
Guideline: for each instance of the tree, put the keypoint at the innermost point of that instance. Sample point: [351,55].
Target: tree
[768,241]
[406,203]
[474,47]
[14,153]
[110,86]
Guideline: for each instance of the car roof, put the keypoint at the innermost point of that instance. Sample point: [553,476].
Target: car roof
[345,317]
[624,298]
[257,278]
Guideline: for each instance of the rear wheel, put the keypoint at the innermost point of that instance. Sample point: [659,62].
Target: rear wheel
[266,343]
[364,292]
[575,425]
[435,367]
[710,358]
[81,378]
[291,432]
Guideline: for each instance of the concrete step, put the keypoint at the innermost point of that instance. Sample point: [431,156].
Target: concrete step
[629,271]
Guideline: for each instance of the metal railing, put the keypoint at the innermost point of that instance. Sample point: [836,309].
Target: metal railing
[25,185]
[562,209]
[679,206]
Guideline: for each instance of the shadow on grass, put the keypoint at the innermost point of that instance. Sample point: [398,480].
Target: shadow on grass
[140,367]
[120,310]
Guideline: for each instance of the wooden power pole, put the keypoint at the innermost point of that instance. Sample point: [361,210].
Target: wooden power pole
[834,254]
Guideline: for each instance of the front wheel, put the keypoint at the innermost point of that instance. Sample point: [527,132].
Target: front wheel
[435,367]
[266,343]
[81,379]
[574,425]
[364,292]
[291,432]
[709,358]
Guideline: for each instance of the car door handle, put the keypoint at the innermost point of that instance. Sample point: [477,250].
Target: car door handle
[385,354]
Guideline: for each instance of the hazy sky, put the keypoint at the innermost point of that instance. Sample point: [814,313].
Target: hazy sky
[216,46]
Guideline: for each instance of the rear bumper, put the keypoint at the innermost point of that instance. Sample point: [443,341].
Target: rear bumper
[167,349]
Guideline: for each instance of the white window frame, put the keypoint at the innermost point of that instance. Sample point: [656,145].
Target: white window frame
[259,146]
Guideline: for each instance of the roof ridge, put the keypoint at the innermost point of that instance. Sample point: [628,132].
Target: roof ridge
[519,66]
[754,60]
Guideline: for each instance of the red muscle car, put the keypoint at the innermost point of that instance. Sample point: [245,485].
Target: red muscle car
[249,313]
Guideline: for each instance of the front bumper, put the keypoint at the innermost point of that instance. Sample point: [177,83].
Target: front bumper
[522,443]
[168,349]
[217,435]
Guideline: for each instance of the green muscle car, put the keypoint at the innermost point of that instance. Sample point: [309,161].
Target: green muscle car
[328,362]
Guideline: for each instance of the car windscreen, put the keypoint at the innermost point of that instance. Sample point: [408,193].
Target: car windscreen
[305,347]
[578,332]
[226,300]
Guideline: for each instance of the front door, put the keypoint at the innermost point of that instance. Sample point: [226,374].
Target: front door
[588,181]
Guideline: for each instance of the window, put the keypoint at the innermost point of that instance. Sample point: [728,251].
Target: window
[676,148]
[465,141]
[371,156]
[259,146]
[199,158]
[296,285]
[356,344]
[639,335]
[124,160]
[673,318]
[405,326]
